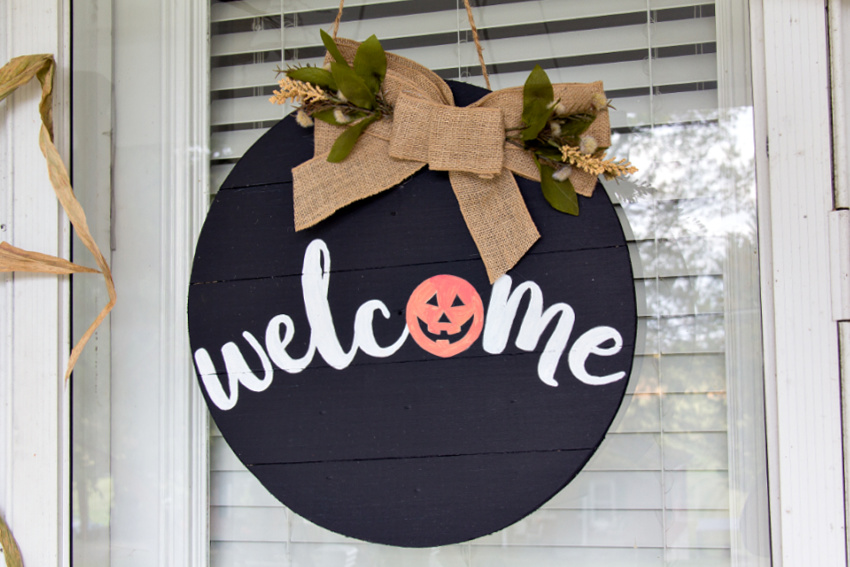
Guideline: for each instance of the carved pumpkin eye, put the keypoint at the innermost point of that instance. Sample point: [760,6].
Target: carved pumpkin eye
[454,325]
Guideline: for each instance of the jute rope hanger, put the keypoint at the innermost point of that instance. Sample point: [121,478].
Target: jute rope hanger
[472,25]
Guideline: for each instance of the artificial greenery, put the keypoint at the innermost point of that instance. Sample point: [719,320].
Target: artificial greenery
[558,141]
[350,95]
[339,94]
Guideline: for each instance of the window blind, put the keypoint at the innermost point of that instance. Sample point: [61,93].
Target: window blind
[661,489]
[658,61]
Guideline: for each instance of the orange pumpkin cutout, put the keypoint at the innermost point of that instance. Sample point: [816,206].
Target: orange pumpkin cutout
[445,315]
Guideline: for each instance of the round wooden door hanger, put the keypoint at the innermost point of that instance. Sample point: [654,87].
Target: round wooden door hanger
[371,378]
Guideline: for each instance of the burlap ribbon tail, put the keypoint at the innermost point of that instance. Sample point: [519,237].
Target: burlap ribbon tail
[468,142]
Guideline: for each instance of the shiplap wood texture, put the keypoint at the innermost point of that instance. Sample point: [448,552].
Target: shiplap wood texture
[455,431]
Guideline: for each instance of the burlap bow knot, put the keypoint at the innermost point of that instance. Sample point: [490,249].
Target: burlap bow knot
[468,142]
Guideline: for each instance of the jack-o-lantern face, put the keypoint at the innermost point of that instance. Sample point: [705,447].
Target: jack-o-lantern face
[445,315]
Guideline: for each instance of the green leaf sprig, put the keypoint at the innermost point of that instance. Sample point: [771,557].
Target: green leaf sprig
[339,94]
[558,141]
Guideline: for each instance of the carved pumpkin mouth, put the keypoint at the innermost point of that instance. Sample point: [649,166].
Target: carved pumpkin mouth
[445,335]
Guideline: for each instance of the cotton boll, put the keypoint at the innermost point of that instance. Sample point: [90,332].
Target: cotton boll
[588,145]
[563,174]
[303,119]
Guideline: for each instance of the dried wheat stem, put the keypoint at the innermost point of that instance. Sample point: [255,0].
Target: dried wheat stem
[297,91]
[596,166]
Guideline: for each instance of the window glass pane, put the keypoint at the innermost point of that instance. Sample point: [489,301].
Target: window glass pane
[680,478]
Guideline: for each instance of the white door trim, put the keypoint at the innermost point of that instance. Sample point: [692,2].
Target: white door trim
[185,178]
[34,308]
[803,397]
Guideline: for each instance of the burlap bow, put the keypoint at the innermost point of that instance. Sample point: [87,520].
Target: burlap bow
[468,142]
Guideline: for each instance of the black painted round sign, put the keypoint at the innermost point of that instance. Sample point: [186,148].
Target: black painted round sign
[367,373]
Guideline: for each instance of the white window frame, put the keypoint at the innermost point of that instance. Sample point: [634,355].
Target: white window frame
[801,337]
